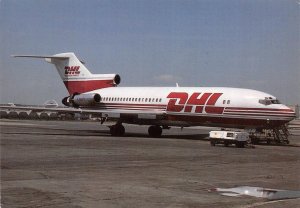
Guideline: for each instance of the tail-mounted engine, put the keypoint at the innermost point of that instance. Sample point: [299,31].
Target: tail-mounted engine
[77,100]
[117,79]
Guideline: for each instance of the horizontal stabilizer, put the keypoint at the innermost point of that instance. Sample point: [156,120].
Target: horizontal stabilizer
[76,77]
[34,56]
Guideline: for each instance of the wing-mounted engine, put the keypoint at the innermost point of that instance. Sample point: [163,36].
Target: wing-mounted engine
[77,100]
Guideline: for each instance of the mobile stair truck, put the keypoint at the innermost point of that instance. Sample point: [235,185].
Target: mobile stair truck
[240,139]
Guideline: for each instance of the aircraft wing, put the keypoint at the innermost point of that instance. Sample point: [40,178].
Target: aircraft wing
[41,109]
[115,113]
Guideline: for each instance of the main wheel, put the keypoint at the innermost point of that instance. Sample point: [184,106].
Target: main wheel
[155,131]
[240,144]
[117,130]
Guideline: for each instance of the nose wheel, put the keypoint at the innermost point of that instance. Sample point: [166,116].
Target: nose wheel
[155,131]
[117,130]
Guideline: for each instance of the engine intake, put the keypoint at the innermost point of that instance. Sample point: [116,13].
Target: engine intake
[117,79]
[66,101]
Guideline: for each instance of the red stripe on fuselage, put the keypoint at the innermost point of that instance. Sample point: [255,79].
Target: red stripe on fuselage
[259,109]
[227,122]
[129,106]
[258,113]
[135,104]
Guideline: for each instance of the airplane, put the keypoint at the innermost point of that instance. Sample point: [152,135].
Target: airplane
[163,107]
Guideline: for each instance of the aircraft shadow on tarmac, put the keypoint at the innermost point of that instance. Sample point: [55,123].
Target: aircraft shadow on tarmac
[102,133]
[171,136]
[106,134]
[50,131]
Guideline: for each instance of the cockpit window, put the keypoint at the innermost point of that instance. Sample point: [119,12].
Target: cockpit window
[275,101]
[269,101]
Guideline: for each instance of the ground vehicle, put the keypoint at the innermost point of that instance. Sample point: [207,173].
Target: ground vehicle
[229,137]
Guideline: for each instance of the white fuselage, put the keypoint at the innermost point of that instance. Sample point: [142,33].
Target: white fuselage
[164,106]
[189,106]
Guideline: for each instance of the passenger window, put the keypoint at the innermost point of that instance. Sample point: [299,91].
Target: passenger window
[160,100]
[229,134]
[224,101]
[146,100]
[228,101]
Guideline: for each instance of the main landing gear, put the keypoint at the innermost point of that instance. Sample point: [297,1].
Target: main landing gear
[155,131]
[119,130]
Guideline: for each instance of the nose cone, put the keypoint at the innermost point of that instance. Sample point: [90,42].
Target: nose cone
[288,112]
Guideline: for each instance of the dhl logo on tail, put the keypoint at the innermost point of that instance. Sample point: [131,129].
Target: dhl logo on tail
[72,70]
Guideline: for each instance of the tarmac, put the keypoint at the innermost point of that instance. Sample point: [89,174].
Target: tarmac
[78,164]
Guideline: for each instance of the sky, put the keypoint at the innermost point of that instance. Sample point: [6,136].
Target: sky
[234,43]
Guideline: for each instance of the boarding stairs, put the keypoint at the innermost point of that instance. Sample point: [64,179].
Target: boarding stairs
[278,135]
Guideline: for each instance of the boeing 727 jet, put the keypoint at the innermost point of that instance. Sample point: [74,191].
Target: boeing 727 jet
[162,107]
